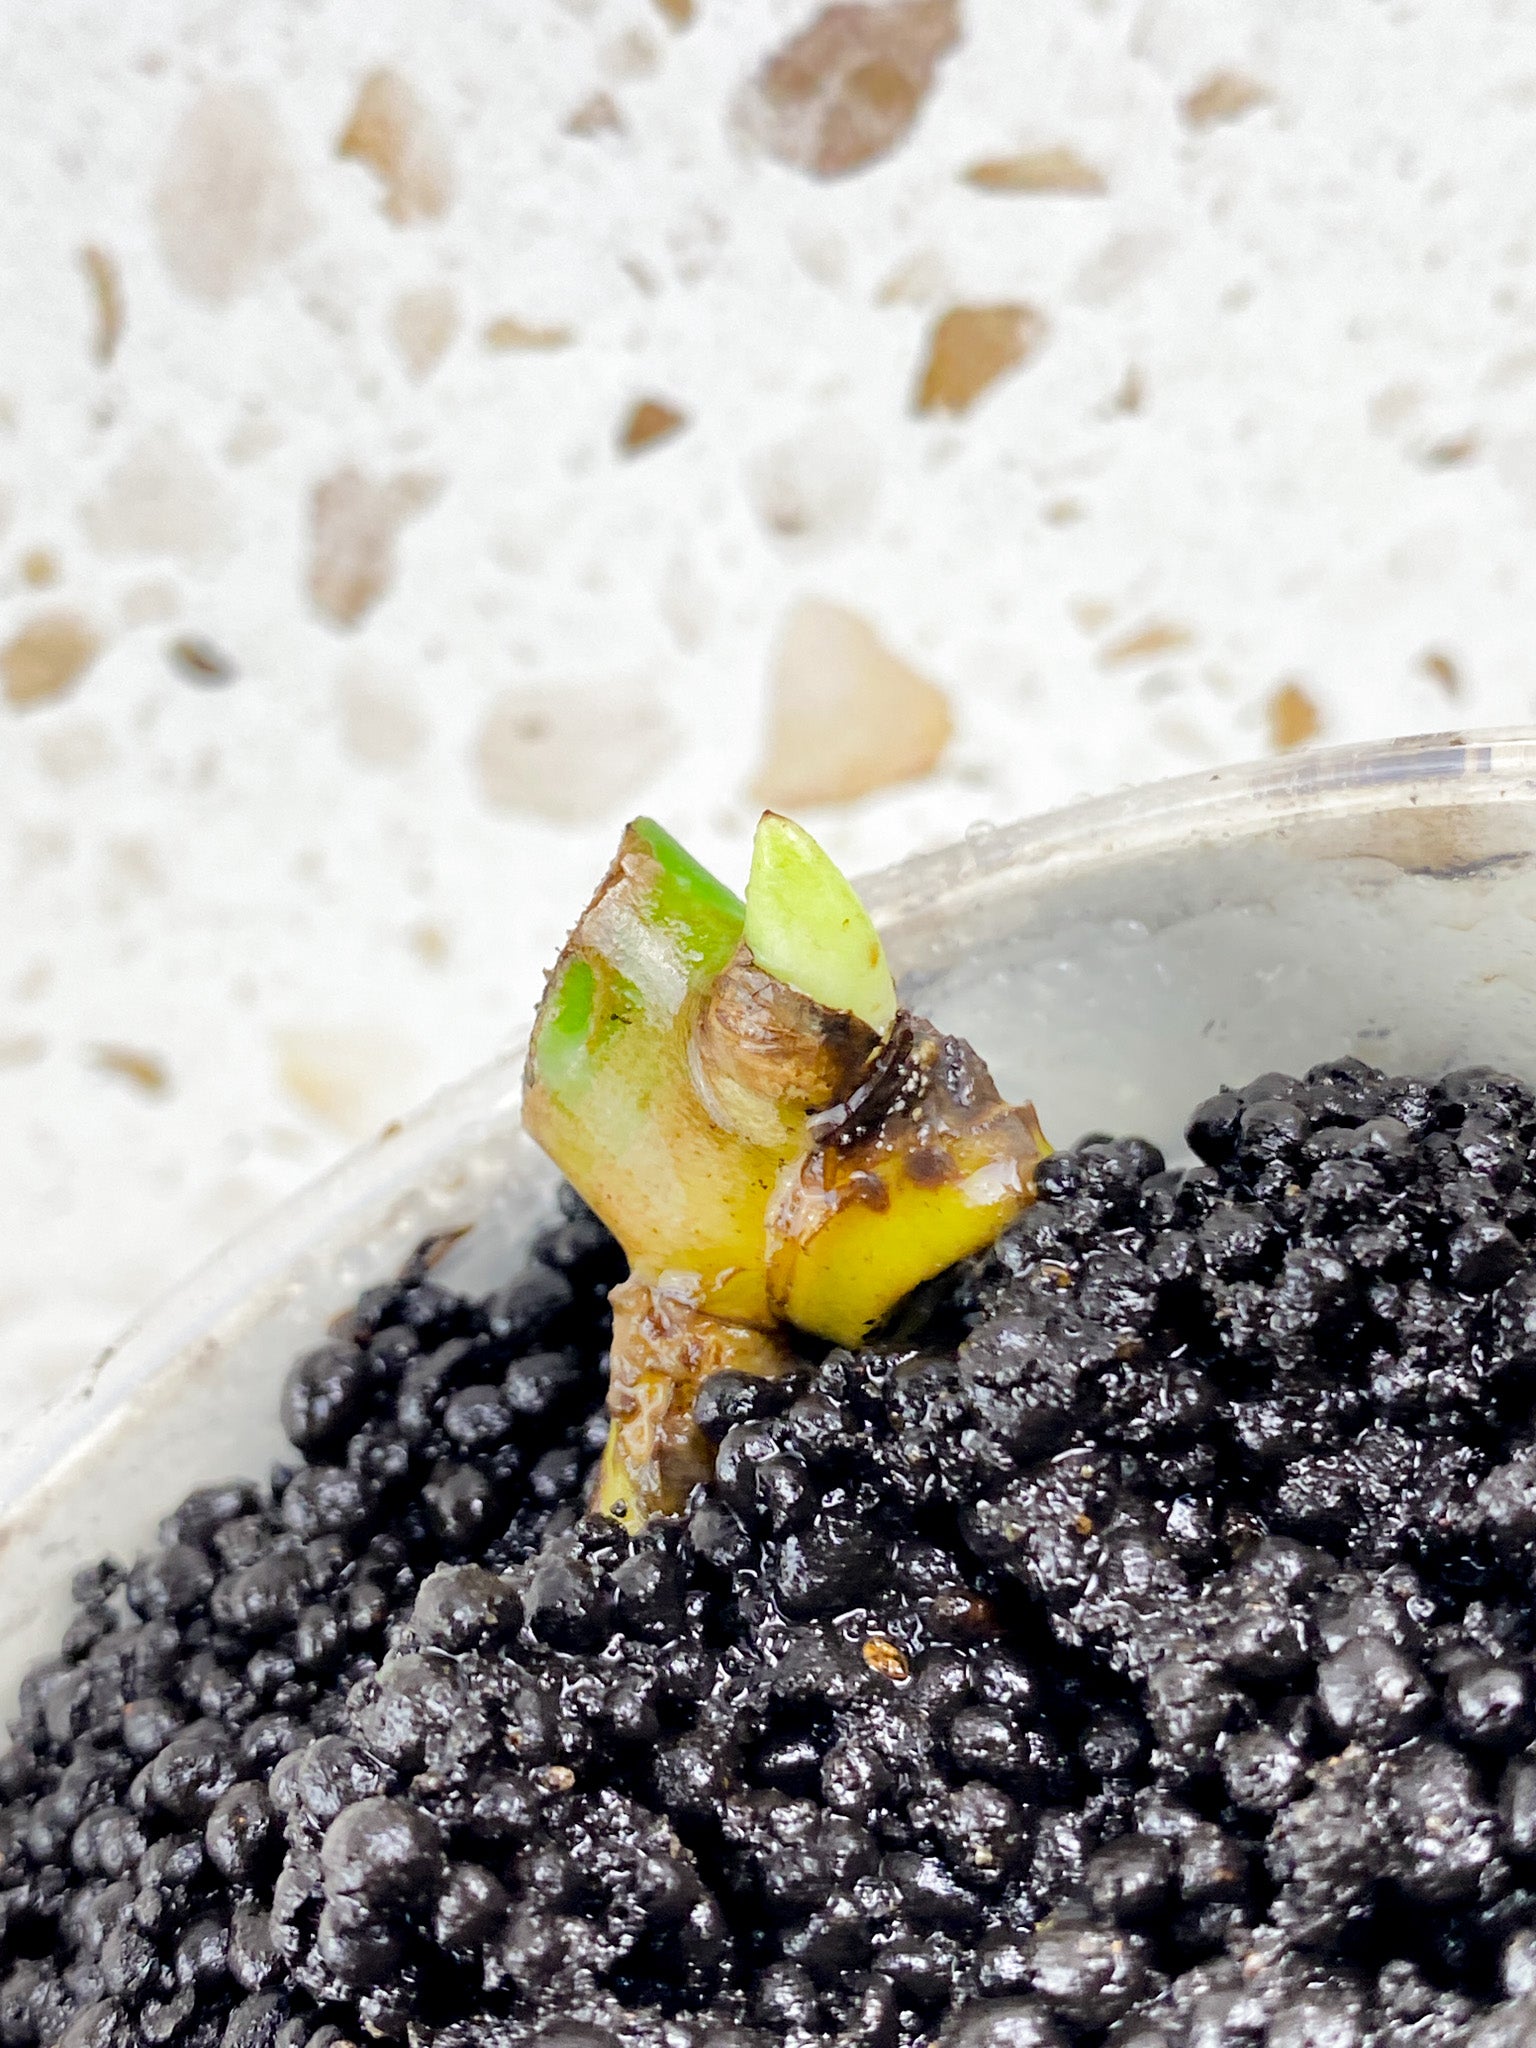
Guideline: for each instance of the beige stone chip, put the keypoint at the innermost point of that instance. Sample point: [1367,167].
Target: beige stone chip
[1441,668]
[106,288]
[228,202]
[597,115]
[351,1077]
[509,333]
[648,421]
[393,132]
[970,348]
[162,497]
[380,725]
[422,325]
[570,752]
[141,1069]
[1037,170]
[846,715]
[47,657]
[355,521]
[847,88]
[1224,96]
[39,568]
[1145,643]
[1292,717]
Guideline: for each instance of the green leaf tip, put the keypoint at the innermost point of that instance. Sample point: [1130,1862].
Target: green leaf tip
[806,927]
[565,1023]
[686,895]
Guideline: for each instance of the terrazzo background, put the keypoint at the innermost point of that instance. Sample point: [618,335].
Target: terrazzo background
[315,480]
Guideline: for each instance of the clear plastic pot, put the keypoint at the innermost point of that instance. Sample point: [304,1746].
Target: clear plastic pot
[1116,961]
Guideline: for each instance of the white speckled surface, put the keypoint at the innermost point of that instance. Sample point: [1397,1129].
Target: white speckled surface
[1286,405]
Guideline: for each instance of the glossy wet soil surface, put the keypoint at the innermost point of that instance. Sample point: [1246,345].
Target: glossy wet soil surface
[1138,1645]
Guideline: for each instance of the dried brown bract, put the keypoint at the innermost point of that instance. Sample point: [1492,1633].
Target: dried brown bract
[663,1350]
[758,1041]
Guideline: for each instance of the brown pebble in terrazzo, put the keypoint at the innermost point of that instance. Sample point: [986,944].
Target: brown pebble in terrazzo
[47,657]
[1223,96]
[355,521]
[970,348]
[429,942]
[228,202]
[847,88]
[676,13]
[422,325]
[846,715]
[200,660]
[648,421]
[24,1050]
[106,288]
[817,486]
[39,568]
[393,132]
[1292,717]
[570,752]
[1145,643]
[597,115]
[509,333]
[1440,668]
[145,1071]
[1037,170]
[1450,452]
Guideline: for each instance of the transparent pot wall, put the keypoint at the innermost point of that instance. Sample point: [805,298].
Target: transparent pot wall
[1122,959]
[1116,961]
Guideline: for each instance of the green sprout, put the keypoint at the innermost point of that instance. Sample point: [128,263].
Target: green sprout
[778,1147]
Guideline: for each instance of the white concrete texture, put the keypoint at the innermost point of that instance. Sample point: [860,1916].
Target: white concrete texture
[340,629]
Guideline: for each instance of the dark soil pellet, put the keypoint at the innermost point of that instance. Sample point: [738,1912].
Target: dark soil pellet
[1142,1655]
